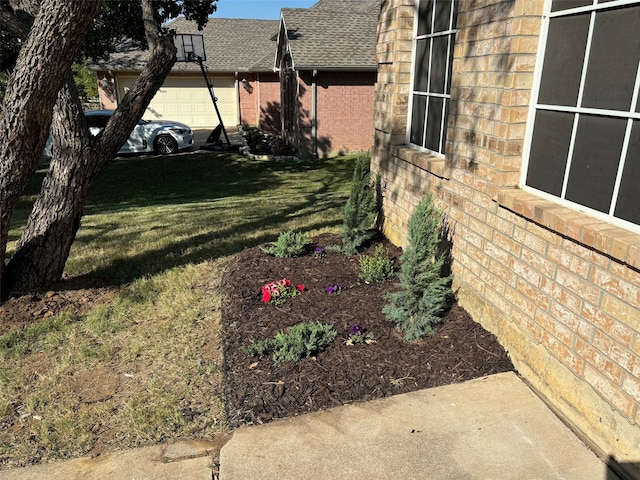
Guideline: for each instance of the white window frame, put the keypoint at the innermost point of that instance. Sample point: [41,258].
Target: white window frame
[631,115]
[445,96]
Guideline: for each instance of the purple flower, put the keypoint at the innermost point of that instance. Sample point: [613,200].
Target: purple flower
[356,330]
[336,288]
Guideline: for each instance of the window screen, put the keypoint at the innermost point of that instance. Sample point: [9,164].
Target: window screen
[585,143]
[433,55]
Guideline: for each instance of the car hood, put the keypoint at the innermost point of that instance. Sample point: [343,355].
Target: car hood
[169,123]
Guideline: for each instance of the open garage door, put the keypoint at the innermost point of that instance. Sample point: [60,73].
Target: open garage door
[186,99]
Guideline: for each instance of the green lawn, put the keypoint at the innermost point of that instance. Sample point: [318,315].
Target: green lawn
[148,214]
[162,228]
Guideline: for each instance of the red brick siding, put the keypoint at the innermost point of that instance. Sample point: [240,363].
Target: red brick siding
[260,100]
[344,111]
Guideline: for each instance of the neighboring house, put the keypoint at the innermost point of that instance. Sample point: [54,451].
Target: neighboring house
[523,119]
[326,57]
[318,63]
[239,61]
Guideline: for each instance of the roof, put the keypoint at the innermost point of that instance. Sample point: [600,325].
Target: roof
[333,34]
[356,6]
[231,45]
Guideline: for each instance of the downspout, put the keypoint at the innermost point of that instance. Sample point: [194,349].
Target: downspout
[314,115]
[258,100]
[238,99]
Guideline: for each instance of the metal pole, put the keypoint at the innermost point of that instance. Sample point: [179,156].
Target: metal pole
[213,98]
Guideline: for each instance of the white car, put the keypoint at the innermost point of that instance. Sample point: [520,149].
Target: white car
[159,136]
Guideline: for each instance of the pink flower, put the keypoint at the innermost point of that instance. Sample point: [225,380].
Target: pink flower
[280,288]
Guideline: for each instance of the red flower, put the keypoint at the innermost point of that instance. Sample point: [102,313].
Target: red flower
[266,295]
[301,288]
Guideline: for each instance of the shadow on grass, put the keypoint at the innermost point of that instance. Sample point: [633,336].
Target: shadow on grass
[245,201]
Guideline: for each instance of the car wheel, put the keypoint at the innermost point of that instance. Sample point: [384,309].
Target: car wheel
[165,144]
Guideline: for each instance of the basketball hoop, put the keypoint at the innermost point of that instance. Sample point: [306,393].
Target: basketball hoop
[190,47]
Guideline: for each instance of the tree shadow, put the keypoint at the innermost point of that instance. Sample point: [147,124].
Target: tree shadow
[236,180]
[270,118]
[467,108]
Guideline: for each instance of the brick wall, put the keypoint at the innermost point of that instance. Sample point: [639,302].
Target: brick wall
[344,111]
[260,100]
[560,289]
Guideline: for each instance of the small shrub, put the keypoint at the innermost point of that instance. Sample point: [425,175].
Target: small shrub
[266,143]
[416,307]
[303,340]
[255,140]
[289,244]
[359,214]
[376,268]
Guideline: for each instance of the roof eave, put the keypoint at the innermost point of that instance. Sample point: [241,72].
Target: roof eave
[350,68]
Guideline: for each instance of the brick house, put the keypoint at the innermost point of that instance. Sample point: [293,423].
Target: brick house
[522,117]
[326,57]
[324,74]
[239,62]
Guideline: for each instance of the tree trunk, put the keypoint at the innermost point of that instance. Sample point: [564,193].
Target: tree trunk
[41,68]
[77,160]
[52,225]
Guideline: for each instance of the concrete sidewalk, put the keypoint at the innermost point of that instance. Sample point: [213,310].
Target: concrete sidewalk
[492,428]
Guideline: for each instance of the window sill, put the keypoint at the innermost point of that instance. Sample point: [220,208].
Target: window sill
[615,242]
[425,161]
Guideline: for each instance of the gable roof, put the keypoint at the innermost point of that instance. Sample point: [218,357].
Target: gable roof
[333,34]
[231,45]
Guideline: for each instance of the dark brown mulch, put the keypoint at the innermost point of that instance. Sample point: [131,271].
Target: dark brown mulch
[259,390]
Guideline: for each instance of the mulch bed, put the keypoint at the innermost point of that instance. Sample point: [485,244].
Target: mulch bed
[259,391]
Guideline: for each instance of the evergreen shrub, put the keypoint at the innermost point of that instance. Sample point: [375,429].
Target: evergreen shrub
[303,340]
[359,214]
[289,244]
[423,293]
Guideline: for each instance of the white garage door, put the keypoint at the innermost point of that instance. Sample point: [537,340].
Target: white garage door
[187,100]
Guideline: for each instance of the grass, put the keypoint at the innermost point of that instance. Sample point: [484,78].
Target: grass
[162,228]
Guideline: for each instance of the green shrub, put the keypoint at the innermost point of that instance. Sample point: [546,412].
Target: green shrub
[303,340]
[416,307]
[266,143]
[359,214]
[376,268]
[289,244]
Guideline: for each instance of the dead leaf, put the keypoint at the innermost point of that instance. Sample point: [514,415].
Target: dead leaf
[253,365]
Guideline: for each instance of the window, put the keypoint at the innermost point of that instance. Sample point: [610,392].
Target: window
[431,82]
[585,140]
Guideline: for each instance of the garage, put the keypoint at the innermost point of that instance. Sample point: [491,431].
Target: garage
[186,99]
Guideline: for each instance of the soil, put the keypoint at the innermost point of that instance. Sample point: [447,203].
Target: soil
[258,390]
[21,311]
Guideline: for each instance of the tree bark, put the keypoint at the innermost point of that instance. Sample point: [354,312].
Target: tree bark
[45,59]
[77,161]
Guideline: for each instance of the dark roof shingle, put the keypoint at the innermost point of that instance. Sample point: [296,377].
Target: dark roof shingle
[231,45]
[333,34]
